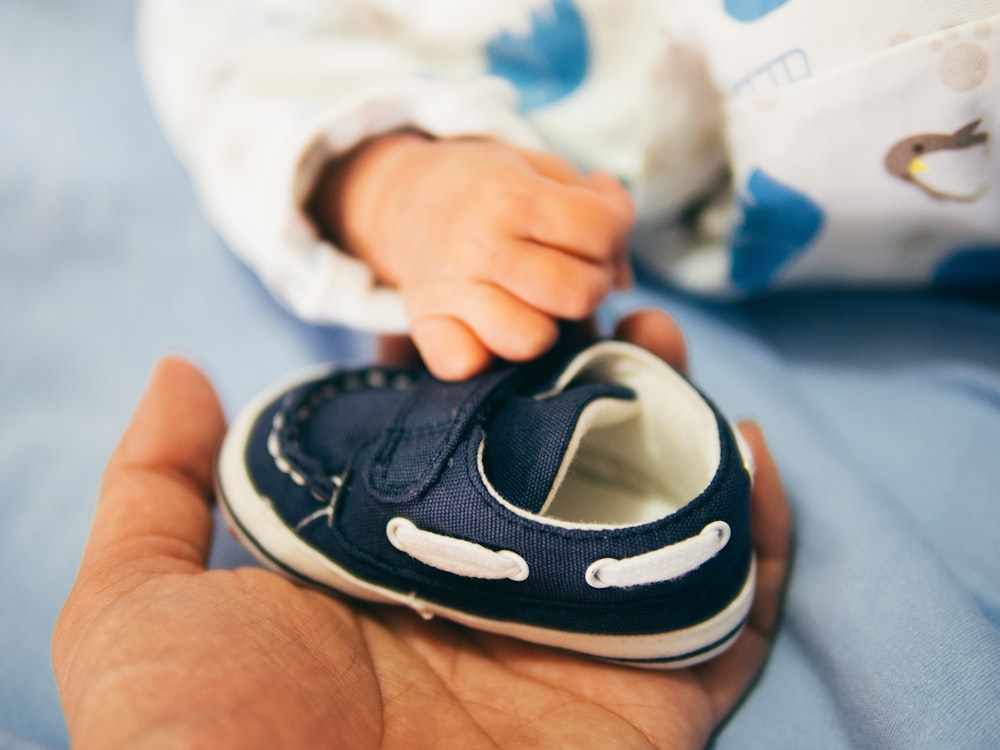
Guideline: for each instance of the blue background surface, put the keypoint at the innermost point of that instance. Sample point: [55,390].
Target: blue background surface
[883,411]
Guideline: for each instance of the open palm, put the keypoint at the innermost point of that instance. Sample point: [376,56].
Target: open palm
[153,650]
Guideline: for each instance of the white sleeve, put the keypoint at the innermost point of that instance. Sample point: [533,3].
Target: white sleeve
[256,96]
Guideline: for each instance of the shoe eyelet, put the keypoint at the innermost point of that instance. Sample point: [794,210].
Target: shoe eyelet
[593,574]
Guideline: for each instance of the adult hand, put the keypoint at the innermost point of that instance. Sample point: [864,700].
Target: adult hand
[489,245]
[153,650]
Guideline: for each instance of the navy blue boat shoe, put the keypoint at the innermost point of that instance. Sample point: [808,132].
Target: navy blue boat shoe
[596,502]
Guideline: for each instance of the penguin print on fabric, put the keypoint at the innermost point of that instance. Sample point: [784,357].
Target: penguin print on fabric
[549,62]
[908,160]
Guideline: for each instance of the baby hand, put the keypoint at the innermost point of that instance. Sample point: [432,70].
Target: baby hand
[489,245]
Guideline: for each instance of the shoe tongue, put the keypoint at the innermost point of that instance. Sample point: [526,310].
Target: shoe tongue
[530,441]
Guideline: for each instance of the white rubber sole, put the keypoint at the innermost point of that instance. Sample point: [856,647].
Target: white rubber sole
[251,517]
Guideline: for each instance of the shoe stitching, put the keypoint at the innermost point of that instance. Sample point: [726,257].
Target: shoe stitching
[327,510]
[285,430]
[318,396]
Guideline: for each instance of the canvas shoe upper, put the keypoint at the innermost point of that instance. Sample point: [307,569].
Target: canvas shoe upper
[597,503]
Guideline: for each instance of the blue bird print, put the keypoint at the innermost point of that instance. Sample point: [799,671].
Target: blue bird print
[548,63]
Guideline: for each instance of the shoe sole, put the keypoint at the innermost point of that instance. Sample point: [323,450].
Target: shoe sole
[252,519]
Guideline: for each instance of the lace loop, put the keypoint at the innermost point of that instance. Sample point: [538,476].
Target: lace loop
[664,564]
[458,556]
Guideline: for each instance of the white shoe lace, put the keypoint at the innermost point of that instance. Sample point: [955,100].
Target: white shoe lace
[471,560]
[456,556]
[664,564]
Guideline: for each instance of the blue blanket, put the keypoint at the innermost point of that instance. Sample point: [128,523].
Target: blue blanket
[883,410]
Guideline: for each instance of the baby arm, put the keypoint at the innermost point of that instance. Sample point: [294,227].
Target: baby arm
[489,245]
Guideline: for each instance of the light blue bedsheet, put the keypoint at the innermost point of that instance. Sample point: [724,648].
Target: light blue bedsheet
[883,411]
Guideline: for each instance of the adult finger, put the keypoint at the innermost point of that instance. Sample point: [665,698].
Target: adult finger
[657,332]
[771,526]
[155,500]
[727,677]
